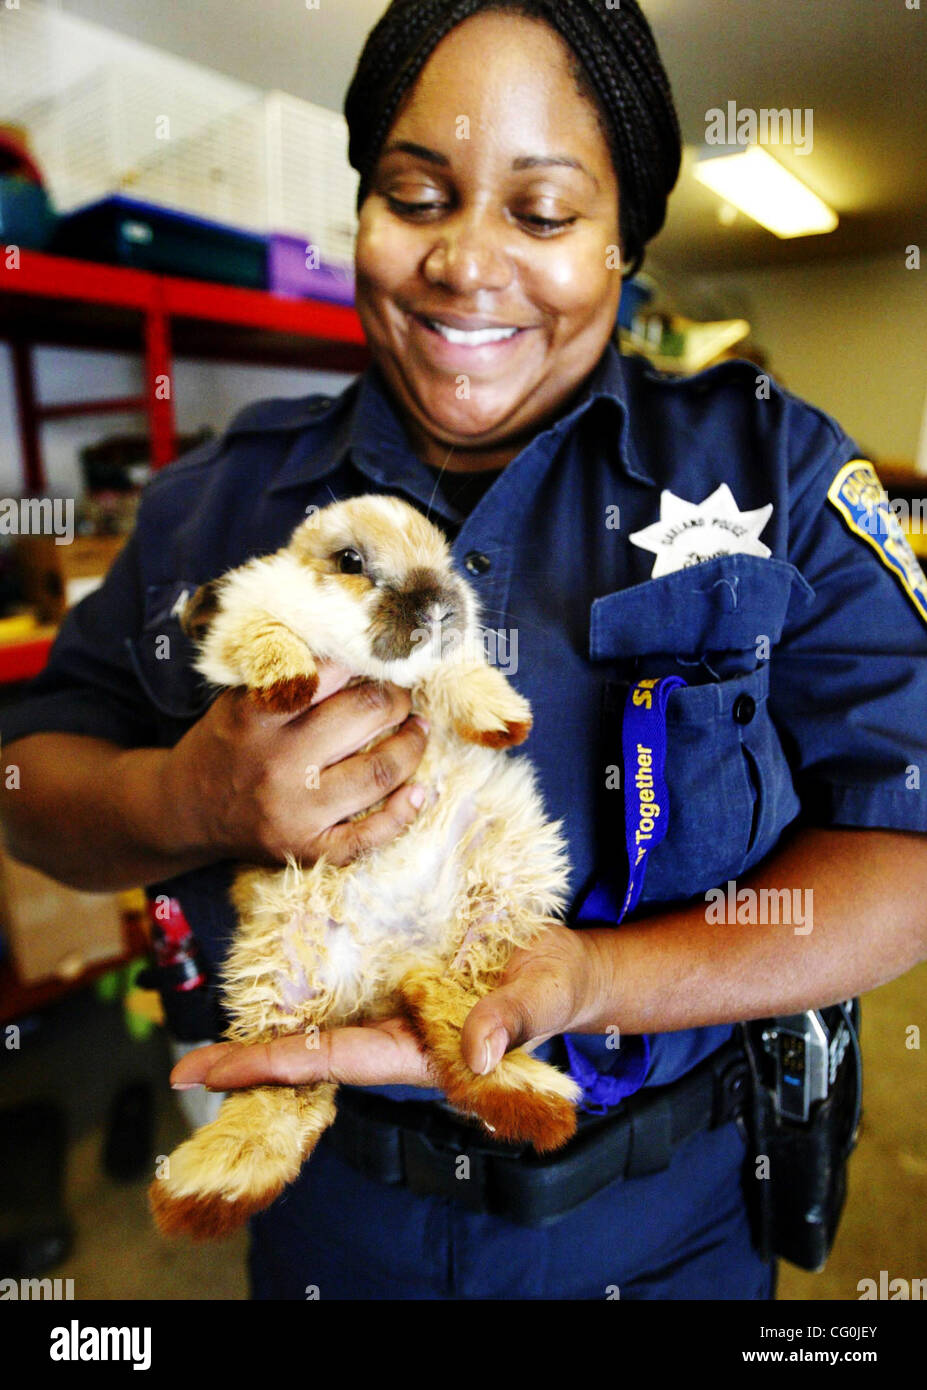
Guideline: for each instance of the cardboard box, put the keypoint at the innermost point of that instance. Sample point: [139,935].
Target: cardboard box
[55,577]
[54,931]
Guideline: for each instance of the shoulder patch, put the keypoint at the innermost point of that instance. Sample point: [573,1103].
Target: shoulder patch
[861,500]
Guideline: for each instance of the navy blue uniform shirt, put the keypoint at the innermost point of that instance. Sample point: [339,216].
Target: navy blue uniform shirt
[597,556]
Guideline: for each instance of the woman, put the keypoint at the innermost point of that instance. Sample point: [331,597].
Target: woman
[514,161]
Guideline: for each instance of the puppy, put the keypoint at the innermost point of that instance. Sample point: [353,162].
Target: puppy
[422,927]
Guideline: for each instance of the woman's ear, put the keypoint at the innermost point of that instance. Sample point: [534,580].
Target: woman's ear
[199,610]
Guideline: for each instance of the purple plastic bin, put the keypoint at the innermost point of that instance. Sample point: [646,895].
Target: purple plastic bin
[287,273]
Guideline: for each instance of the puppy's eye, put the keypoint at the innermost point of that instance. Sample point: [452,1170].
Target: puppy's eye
[349,561]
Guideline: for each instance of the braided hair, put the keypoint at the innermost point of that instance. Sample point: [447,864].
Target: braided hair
[613,59]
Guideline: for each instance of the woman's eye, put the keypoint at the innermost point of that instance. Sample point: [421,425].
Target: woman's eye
[409,209]
[549,224]
[545,225]
[350,561]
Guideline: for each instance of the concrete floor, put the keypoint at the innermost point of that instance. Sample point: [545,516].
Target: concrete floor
[81,1054]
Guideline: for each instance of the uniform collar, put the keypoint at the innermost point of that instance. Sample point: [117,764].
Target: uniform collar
[363,424]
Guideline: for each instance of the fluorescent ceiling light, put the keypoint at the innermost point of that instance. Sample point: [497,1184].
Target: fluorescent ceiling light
[761,187]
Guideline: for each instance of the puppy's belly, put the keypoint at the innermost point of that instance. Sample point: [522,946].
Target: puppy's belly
[474,875]
[396,905]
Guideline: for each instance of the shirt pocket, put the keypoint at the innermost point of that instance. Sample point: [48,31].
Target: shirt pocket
[162,657]
[729,783]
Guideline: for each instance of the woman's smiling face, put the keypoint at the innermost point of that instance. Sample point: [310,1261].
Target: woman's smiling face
[493,207]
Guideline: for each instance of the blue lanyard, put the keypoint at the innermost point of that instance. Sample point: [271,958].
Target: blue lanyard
[646,820]
[646,801]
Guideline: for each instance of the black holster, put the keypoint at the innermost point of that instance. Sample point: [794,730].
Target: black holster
[796,1186]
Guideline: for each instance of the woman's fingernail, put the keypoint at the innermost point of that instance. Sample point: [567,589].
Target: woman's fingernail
[417,795]
[424,722]
[496,1044]
[187,1086]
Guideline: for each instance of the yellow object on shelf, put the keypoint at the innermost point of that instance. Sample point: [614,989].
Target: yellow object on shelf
[917,540]
[694,346]
[145,1004]
[18,627]
[133,900]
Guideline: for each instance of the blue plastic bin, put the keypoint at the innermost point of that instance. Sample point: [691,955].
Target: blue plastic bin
[121,231]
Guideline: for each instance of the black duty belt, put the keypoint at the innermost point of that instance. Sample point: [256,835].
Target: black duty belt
[420,1145]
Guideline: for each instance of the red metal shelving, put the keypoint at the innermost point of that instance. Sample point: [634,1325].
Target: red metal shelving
[58,301]
[23,659]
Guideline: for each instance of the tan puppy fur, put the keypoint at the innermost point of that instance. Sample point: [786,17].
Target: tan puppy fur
[421,927]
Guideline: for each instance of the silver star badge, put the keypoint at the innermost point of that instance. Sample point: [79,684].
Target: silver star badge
[690,532]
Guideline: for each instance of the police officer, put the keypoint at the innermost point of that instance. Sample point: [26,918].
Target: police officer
[620,527]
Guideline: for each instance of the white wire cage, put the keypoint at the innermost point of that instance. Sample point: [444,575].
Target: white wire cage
[106,115]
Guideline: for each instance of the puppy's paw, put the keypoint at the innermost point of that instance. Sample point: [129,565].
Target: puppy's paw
[287,695]
[275,665]
[490,711]
[514,733]
[204,1215]
[524,1117]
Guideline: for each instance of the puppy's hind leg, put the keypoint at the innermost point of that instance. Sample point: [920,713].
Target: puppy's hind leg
[237,1165]
[522,1100]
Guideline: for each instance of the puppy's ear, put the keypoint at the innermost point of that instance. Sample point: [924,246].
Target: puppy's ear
[199,610]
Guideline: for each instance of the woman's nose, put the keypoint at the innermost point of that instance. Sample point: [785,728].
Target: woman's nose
[469,254]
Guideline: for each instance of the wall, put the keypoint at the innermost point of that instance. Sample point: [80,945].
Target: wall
[848,336]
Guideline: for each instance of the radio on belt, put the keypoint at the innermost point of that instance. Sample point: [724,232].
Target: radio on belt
[807,1050]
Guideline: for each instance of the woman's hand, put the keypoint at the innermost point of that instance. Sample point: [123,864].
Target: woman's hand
[551,988]
[373,1054]
[250,786]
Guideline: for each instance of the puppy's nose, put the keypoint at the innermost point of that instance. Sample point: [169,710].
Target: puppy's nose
[435,613]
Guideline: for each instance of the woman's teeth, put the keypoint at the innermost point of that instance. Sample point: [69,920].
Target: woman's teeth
[479,338]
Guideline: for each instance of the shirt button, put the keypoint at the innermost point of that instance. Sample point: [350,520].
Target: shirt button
[476,562]
[744,709]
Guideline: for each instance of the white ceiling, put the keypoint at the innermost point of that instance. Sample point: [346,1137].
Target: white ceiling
[860,65]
